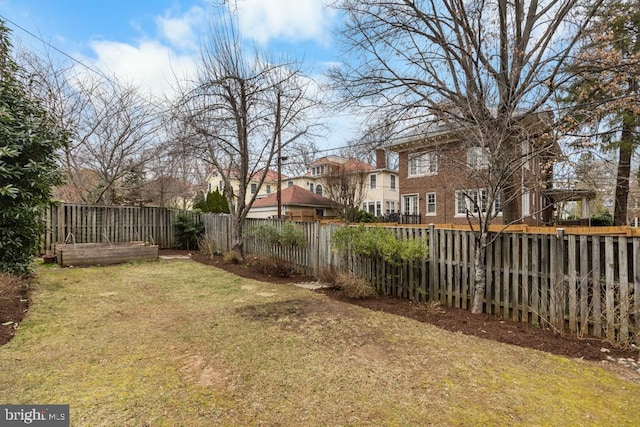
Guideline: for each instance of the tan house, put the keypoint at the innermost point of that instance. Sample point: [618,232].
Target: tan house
[381,186]
[296,202]
[437,184]
[269,185]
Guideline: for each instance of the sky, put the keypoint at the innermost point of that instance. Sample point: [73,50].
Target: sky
[149,42]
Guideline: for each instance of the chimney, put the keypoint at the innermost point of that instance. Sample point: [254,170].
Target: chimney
[381,158]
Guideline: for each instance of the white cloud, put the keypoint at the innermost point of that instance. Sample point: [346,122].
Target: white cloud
[149,65]
[182,31]
[264,20]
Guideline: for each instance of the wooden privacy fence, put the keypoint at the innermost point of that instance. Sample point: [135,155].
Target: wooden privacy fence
[92,223]
[586,284]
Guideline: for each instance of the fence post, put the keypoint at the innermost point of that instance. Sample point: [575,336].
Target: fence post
[433,247]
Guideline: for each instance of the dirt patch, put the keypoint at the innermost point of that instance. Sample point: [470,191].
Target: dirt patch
[14,301]
[457,320]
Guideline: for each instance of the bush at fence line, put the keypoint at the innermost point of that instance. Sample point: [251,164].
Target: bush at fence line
[208,245]
[285,235]
[328,274]
[354,286]
[188,231]
[232,257]
[371,241]
[275,266]
[364,216]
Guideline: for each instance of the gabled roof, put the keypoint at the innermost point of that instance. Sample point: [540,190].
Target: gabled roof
[347,164]
[272,176]
[294,195]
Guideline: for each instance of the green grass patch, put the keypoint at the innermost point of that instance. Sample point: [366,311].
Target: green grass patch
[179,343]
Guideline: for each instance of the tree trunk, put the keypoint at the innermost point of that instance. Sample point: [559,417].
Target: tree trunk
[480,279]
[237,240]
[624,172]
[510,211]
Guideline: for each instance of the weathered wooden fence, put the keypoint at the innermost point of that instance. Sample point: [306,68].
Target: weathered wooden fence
[586,284]
[583,283]
[92,223]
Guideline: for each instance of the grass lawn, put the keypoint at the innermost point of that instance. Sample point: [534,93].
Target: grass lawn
[179,343]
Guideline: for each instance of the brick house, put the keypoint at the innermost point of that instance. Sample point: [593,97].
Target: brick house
[439,170]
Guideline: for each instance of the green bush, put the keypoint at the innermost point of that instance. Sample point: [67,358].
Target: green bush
[602,220]
[29,141]
[376,241]
[366,217]
[188,231]
[285,235]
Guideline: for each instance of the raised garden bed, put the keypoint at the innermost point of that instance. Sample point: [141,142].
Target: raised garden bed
[82,254]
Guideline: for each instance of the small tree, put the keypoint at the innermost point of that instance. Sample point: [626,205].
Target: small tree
[347,190]
[213,202]
[29,139]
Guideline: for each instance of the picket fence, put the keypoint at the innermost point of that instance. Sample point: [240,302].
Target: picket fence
[588,284]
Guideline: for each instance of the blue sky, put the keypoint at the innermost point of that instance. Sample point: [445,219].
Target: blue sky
[148,41]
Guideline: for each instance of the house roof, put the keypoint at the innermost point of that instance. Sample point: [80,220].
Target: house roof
[439,132]
[296,196]
[272,176]
[348,164]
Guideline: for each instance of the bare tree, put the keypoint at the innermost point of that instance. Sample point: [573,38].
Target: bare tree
[487,68]
[346,188]
[112,126]
[242,112]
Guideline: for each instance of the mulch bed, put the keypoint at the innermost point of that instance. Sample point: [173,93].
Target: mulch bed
[456,320]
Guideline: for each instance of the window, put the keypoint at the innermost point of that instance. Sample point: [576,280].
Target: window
[431,204]
[310,186]
[391,208]
[289,183]
[268,189]
[472,201]
[410,205]
[372,181]
[221,186]
[526,202]
[423,164]
[319,190]
[378,208]
[254,188]
[209,188]
[477,157]
[393,182]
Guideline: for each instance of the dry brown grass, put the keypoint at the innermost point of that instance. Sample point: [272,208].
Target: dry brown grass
[179,343]
[354,286]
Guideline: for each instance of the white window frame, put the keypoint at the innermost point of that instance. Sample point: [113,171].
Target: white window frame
[414,204]
[373,181]
[319,190]
[422,164]
[477,157]
[526,202]
[253,188]
[268,189]
[433,203]
[464,205]
[393,182]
